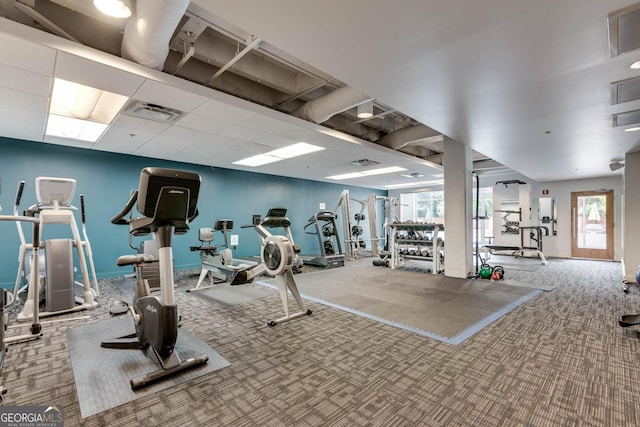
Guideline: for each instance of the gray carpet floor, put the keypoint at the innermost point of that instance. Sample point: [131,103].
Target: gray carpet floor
[558,360]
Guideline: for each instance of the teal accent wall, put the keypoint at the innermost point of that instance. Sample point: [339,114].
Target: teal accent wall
[106,180]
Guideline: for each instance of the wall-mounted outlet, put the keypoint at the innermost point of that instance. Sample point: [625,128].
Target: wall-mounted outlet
[234,240]
[323,206]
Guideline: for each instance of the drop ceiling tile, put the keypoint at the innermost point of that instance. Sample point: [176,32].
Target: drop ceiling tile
[136,125]
[90,73]
[184,133]
[25,81]
[27,56]
[213,146]
[243,134]
[9,115]
[27,101]
[163,146]
[223,112]
[67,142]
[162,94]
[121,141]
[253,148]
[275,141]
[22,130]
[272,125]
[202,123]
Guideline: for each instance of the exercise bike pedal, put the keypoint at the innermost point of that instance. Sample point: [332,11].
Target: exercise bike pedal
[127,342]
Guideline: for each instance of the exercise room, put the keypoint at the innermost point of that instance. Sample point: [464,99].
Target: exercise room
[355,213]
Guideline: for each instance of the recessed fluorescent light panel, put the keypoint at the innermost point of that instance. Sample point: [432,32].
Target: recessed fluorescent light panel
[370,172]
[413,184]
[81,110]
[67,127]
[289,152]
[295,150]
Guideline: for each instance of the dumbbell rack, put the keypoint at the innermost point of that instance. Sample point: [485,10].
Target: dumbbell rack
[416,241]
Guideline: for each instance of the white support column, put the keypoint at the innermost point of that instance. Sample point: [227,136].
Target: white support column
[458,192]
[631,231]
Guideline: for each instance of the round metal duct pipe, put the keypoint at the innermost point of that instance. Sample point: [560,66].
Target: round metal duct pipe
[147,34]
[408,135]
[322,109]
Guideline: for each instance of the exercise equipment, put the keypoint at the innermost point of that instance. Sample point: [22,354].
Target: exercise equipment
[167,200]
[324,226]
[485,271]
[497,273]
[35,329]
[416,241]
[278,256]
[57,277]
[535,235]
[631,319]
[353,231]
[218,264]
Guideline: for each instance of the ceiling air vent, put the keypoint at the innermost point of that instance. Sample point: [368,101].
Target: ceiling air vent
[157,113]
[364,162]
[625,91]
[627,118]
[624,30]
[414,175]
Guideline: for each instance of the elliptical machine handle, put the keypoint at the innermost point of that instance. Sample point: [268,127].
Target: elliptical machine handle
[119,218]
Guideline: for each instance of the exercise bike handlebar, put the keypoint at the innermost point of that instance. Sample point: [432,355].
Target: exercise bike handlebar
[119,218]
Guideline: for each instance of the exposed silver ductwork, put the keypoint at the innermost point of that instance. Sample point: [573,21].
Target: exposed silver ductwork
[322,109]
[147,35]
[409,135]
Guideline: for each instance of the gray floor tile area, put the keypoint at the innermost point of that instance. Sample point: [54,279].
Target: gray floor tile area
[436,305]
[558,360]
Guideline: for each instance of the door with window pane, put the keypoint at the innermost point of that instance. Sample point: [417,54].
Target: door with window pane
[592,224]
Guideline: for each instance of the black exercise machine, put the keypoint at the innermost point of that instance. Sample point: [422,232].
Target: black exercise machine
[167,200]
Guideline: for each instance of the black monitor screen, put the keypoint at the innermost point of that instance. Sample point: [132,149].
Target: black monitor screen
[152,180]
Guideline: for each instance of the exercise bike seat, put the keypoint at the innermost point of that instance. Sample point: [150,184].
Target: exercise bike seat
[134,259]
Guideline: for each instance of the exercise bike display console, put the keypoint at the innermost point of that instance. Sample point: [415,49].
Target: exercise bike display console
[167,199]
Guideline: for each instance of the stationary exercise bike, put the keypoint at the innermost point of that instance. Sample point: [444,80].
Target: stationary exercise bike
[167,199]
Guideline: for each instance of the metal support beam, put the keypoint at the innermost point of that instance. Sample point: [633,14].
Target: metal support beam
[235,59]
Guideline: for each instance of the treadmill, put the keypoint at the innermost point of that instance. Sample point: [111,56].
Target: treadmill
[323,225]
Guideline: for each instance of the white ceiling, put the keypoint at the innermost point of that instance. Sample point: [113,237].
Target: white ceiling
[496,75]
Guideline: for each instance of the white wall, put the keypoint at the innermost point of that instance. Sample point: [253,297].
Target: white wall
[560,245]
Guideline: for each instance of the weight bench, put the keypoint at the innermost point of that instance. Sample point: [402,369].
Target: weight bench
[536,236]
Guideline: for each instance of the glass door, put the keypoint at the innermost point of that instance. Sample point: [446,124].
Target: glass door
[592,224]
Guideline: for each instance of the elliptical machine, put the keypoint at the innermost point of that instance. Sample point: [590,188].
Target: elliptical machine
[167,199]
[54,196]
